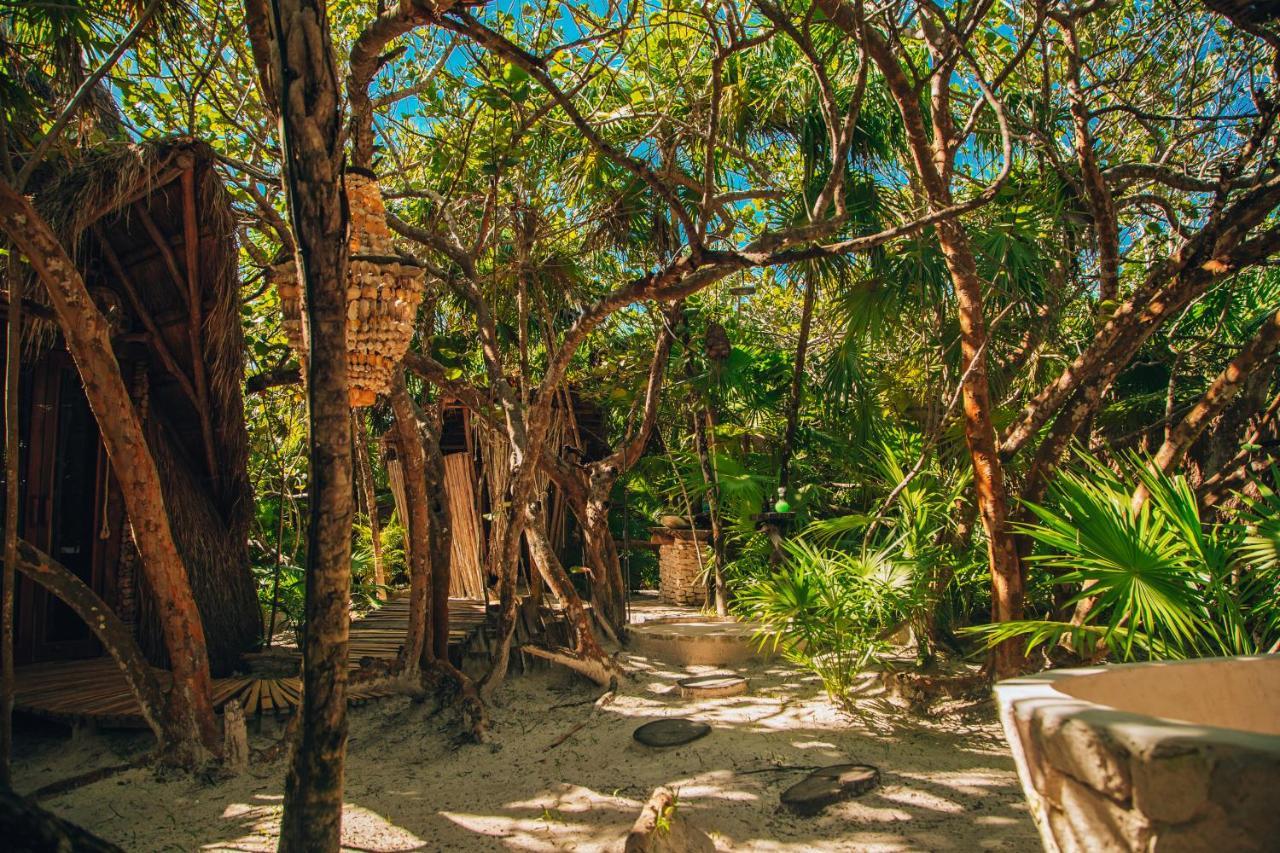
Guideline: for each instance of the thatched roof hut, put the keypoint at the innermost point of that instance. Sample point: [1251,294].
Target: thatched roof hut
[152,230]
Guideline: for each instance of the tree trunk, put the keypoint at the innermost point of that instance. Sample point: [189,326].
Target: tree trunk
[365,467]
[1216,399]
[610,596]
[8,580]
[932,157]
[441,530]
[797,379]
[980,435]
[417,528]
[719,593]
[588,657]
[506,561]
[589,490]
[1102,209]
[190,703]
[116,637]
[310,125]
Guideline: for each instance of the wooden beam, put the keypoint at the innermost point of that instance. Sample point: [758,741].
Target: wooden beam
[157,339]
[166,252]
[195,319]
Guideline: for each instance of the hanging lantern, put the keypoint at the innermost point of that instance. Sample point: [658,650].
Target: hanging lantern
[384,291]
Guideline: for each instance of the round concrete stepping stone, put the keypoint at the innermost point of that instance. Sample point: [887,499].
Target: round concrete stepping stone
[828,785]
[674,731]
[712,686]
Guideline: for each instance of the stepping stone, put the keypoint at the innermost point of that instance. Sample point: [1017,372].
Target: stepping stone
[828,785]
[712,686]
[674,731]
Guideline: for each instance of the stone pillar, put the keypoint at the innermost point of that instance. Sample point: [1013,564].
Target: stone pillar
[683,559]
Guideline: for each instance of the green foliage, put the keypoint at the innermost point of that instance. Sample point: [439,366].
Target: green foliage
[829,610]
[1165,584]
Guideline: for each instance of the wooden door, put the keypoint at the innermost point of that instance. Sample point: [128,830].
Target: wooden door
[63,510]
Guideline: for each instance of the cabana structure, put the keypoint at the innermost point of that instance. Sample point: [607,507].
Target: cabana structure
[475,478]
[152,230]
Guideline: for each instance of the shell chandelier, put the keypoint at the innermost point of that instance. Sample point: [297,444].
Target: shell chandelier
[384,291]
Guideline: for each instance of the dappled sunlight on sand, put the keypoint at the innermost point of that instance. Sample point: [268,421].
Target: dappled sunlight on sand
[560,774]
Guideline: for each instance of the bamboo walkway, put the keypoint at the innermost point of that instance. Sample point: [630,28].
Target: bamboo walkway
[94,690]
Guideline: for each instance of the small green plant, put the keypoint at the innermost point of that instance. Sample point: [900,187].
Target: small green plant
[665,818]
[828,610]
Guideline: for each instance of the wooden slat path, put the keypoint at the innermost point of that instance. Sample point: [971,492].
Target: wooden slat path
[95,689]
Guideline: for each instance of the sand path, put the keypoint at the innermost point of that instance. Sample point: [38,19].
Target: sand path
[948,784]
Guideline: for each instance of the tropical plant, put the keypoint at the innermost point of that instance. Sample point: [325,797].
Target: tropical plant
[830,610]
[365,593]
[1164,584]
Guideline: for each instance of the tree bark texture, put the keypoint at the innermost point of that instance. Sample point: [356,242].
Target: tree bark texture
[797,379]
[190,703]
[311,134]
[980,435]
[417,527]
[719,591]
[370,496]
[589,488]
[1097,193]
[589,658]
[440,529]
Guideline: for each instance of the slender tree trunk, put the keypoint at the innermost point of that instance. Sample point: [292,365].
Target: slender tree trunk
[719,592]
[980,435]
[589,491]
[932,155]
[589,658]
[417,526]
[610,595]
[1226,385]
[441,530]
[365,467]
[190,703]
[8,580]
[507,562]
[310,123]
[1097,194]
[797,380]
[276,564]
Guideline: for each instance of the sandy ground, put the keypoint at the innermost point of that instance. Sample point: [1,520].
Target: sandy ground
[948,783]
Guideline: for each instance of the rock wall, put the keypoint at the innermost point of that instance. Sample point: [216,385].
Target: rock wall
[682,562]
[1102,779]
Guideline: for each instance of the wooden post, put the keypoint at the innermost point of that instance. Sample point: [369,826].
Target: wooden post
[195,316]
[235,738]
[13,349]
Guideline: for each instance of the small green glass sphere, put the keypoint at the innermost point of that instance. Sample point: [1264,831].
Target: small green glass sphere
[781,505]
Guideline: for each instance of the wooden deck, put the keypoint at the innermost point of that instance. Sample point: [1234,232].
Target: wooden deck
[95,690]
